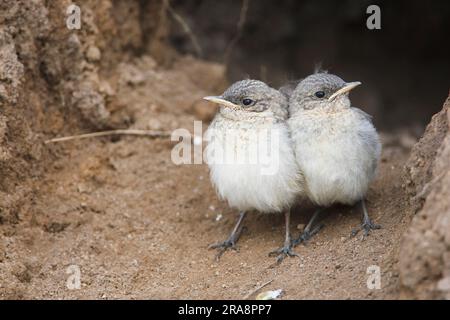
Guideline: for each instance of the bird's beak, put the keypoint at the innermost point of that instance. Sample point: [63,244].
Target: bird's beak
[348,86]
[221,101]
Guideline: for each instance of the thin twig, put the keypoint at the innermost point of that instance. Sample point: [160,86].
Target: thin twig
[257,289]
[186,29]
[134,132]
[240,27]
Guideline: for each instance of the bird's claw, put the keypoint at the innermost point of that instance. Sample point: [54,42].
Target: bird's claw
[366,226]
[283,252]
[223,246]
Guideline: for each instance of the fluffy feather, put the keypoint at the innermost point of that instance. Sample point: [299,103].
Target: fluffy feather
[271,185]
[336,146]
[337,152]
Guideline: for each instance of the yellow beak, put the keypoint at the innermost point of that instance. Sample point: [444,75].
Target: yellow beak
[221,101]
[348,86]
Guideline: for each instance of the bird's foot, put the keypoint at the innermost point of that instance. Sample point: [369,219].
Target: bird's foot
[223,246]
[283,252]
[366,226]
[306,235]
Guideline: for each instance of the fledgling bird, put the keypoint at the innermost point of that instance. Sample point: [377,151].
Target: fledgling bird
[336,145]
[250,156]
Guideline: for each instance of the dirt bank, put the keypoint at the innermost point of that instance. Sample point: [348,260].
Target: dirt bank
[137,225]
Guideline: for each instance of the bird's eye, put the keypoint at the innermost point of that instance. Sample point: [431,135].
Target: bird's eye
[247,102]
[319,94]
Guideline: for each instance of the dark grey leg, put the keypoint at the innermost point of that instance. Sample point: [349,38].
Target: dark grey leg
[286,250]
[230,243]
[310,229]
[367,224]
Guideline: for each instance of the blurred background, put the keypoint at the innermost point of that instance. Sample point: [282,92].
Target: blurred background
[404,67]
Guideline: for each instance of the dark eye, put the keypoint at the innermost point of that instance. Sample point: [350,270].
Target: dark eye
[319,94]
[247,102]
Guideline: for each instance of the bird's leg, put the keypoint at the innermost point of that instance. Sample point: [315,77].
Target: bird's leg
[230,243]
[309,229]
[367,224]
[286,250]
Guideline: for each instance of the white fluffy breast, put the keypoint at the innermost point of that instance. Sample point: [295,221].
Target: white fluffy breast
[337,153]
[252,164]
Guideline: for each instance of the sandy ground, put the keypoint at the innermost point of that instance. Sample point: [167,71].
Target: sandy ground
[138,227]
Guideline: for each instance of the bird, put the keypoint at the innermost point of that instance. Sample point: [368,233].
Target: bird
[336,146]
[251,158]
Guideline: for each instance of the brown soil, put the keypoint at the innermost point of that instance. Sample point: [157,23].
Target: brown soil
[425,252]
[139,226]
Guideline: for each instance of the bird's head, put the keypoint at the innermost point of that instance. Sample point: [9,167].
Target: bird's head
[321,90]
[252,96]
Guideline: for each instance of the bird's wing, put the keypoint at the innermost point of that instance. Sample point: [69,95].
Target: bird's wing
[371,137]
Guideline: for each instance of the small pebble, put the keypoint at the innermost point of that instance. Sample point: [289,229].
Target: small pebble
[93,54]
